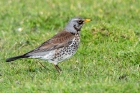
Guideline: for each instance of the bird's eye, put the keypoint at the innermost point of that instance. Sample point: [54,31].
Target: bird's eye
[80,22]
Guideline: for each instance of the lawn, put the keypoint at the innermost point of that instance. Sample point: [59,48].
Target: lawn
[107,61]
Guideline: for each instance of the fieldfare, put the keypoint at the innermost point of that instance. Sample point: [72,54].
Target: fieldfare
[60,47]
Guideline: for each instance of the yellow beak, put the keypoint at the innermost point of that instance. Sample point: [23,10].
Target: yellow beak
[87,20]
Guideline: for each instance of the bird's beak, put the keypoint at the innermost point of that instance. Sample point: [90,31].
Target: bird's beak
[87,20]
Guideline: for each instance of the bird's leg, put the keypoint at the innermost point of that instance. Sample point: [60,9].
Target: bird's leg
[42,65]
[57,68]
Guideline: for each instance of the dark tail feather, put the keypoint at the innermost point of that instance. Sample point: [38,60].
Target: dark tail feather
[15,58]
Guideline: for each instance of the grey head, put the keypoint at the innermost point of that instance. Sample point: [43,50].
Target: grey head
[75,24]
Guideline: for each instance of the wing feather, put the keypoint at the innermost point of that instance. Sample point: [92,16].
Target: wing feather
[62,39]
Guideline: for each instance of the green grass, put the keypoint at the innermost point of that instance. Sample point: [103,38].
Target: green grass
[108,60]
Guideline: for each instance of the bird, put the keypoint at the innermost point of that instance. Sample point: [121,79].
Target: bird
[60,47]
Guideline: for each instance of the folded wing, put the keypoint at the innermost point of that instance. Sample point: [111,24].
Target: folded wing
[62,39]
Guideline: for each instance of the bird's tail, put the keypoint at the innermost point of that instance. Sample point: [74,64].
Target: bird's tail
[15,58]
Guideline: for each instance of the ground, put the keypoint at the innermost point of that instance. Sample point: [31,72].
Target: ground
[107,61]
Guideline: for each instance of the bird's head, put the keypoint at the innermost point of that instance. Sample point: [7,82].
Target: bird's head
[75,24]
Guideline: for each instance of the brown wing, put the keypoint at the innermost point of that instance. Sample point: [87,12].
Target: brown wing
[61,39]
